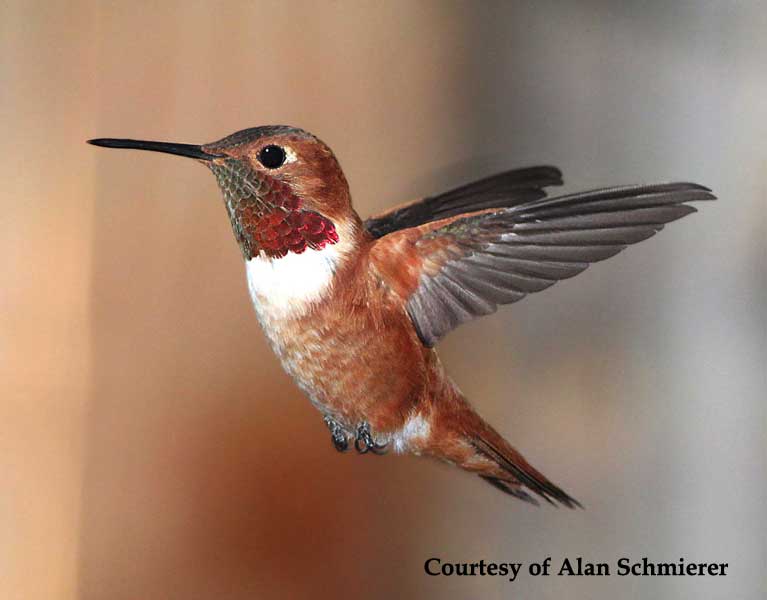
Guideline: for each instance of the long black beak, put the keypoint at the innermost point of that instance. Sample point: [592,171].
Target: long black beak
[189,150]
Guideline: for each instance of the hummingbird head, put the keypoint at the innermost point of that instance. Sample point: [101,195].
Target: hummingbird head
[283,188]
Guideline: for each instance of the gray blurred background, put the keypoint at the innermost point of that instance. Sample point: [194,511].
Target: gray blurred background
[151,446]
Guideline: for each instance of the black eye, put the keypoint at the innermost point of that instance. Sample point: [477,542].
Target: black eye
[271,156]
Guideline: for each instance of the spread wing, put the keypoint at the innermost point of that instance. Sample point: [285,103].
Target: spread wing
[504,189]
[453,270]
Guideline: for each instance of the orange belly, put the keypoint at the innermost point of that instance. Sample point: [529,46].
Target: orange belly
[353,366]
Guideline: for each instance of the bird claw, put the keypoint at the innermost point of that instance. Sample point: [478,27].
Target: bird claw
[338,435]
[365,442]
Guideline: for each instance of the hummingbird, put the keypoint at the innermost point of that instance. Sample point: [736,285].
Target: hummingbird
[353,309]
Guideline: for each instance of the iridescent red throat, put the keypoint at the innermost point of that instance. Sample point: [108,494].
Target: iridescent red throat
[267,216]
[286,230]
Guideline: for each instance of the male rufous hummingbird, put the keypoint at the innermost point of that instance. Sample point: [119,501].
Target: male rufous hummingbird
[353,308]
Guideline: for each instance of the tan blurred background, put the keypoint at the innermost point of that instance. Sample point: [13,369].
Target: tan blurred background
[152,448]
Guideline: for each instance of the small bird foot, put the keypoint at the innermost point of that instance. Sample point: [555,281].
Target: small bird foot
[338,434]
[365,442]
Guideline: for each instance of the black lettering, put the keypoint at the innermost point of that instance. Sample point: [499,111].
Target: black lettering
[623,567]
[668,569]
[645,564]
[545,566]
[566,568]
[426,566]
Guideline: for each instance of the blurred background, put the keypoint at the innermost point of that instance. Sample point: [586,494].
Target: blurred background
[151,446]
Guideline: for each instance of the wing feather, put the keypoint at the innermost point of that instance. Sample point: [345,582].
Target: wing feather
[509,188]
[467,265]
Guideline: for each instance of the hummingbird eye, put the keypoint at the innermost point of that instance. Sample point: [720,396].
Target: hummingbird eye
[271,156]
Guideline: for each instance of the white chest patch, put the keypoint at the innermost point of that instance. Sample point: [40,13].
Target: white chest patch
[287,286]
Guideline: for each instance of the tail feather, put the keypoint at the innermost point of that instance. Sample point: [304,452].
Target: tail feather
[459,436]
[507,488]
[522,473]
